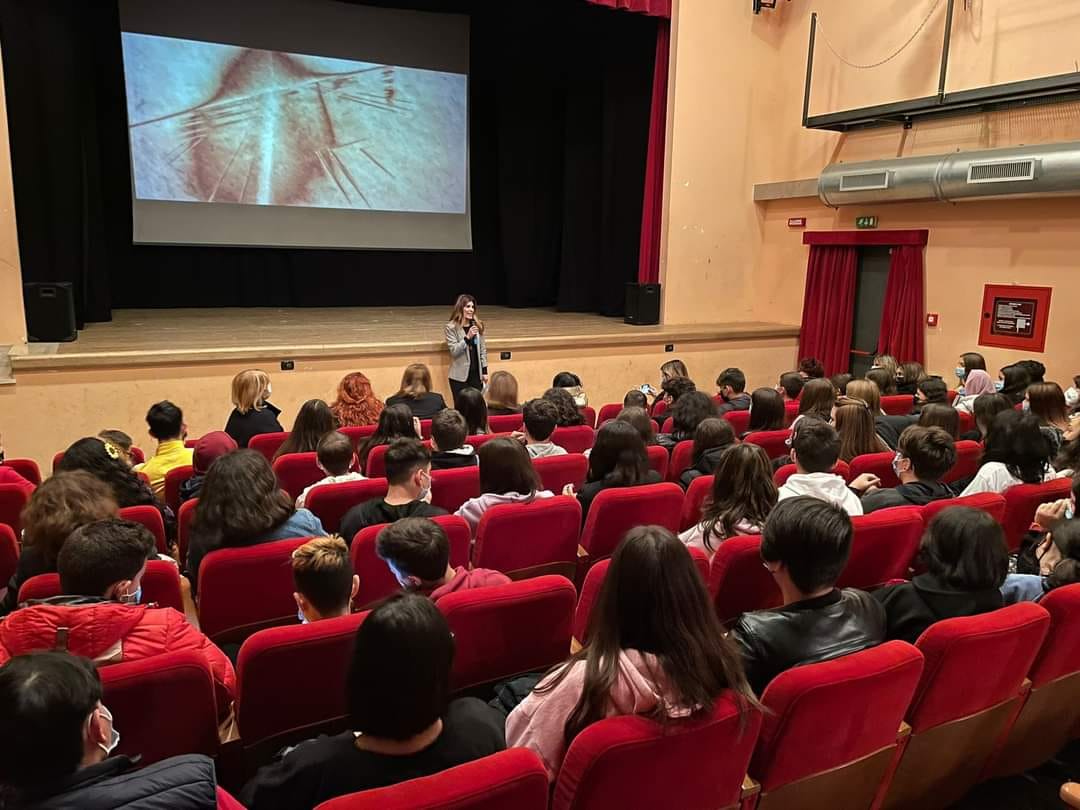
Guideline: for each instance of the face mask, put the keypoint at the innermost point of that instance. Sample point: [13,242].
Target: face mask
[1069,511]
[114,739]
[999,385]
[132,598]
[300,615]
[896,465]
[960,372]
[1026,406]
[425,490]
[1072,397]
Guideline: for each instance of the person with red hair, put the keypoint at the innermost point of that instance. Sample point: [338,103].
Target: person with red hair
[356,404]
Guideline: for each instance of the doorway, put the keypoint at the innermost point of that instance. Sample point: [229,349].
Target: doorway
[873,276]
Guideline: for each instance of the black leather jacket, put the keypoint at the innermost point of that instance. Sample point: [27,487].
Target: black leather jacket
[838,623]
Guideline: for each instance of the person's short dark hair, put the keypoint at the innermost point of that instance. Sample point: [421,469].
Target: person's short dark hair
[885,381]
[399,681]
[811,537]
[101,554]
[505,467]
[840,382]
[816,445]
[635,399]
[566,379]
[416,547]
[335,452]
[1036,370]
[792,383]
[712,433]
[690,411]
[448,429]
[540,418]
[988,406]
[965,549]
[569,415]
[323,572]
[117,438]
[677,387]
[166,421]
[403,458]
[45,700]
[931,450]
[733,377]
[811,367]
[935,390]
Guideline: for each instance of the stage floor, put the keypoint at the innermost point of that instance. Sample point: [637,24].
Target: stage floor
[157,336]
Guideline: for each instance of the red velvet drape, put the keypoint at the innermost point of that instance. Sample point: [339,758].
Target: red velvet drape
[653,203]
[902,316]
[654,8]
[829,306]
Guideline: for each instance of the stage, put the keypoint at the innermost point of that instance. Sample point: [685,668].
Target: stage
[115,371]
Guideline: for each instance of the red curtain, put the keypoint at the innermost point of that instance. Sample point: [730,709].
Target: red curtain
[653,204]
[829,306]
[654,8]
[902,316]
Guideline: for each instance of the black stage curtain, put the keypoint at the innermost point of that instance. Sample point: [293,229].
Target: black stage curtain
[559,113]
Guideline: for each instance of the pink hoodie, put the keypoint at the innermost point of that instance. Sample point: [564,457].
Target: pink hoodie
[538,722]
[473,509]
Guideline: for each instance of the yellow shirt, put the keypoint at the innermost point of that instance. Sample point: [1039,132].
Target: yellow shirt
[169,456]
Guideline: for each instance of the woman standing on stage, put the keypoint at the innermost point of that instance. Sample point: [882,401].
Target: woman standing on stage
[468,352]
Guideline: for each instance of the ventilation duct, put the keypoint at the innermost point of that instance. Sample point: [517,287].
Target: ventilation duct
[1031,171]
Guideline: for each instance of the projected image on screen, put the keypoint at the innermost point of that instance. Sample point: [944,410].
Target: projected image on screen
[219,123]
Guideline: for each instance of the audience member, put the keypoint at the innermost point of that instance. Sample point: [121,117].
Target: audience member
[242,505]
[402,723]
[641,421]
[252,412]
[908,377]
[506,476]
[689,411]
[59,737]
[571,384]
[1047,402]
[618,459]
[335,456]
[712,437]
[941,415]
[671,370]
[840,383]
[925,456]
[313,421]
[969,361]
[408,477]
[208,448]
[417,551]
[356,404]
[121,441]
[656,648]
[818,399]
[59,506]
[416,393]
[502,394]
[767,411]
[932,390]
[810,368]
[1072,395]
[324,579]
[885,381]
[167,428]
[985,410]
[743,494]
[886,426]
[470,403]
[731,386]
[540,419]
[888,363]
[966,562]
[805,545]
[1013,382]
[672,389]
[1017,452]
[1057,563]
[568,413]
[978,382]
[449,450]
[100,617]
[1036,371]
[395,422]
[854,423]
[790,386]
[635,399]
[815,449]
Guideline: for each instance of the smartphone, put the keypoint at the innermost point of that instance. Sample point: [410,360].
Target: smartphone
[647,389]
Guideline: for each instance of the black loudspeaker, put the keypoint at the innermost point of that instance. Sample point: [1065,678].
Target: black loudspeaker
[642,304]
[50,312]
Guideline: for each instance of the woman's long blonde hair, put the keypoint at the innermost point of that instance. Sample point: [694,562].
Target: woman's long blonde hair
[249,390]
[416,381]
[854,422]
[503,391]
[457,314]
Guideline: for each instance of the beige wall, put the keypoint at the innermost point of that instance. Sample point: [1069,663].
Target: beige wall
[735,110]
[12,318]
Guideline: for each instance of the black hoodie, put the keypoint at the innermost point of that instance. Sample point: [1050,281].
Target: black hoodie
[913,606]
[376,511]
[705,465]
[917,493]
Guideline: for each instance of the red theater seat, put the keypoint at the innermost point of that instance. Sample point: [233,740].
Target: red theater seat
[267,444]
[609,412]
[831,730]
[699,489]
[480,439]
[425,429]
[617,510]
[26,467]
[514,778]
[1022,500]
[659,459]
[574,439]
[951,395]
[898,404]
[174,479]
[358,433]
[967,422]
[507,423]
[13,500]
[739,421]
[164,705]
[150,517]
[184,518]
[971,686]
[330,502]
[590,415]
[557,471]
[989,502]
[242,590]
[669,425]
[9,555]
[884,546]
[682,457]
[659,408]
[40,586]
[635,762]
[451,488]
[879,464]
[738,581]
[530,539]
[507,630]
[968,455]
[297,471]
[774,442]
[781,476]
[791,410]
[291,683]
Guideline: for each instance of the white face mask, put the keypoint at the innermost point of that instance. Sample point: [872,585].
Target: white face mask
[426,489]
[1072,397]
[114,738]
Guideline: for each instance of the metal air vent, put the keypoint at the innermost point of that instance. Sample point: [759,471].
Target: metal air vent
[1006,171]
[864,181]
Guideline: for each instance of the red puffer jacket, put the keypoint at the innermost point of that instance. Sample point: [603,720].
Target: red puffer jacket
[110,632]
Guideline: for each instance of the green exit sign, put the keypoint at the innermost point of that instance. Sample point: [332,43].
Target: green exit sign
[865,222]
